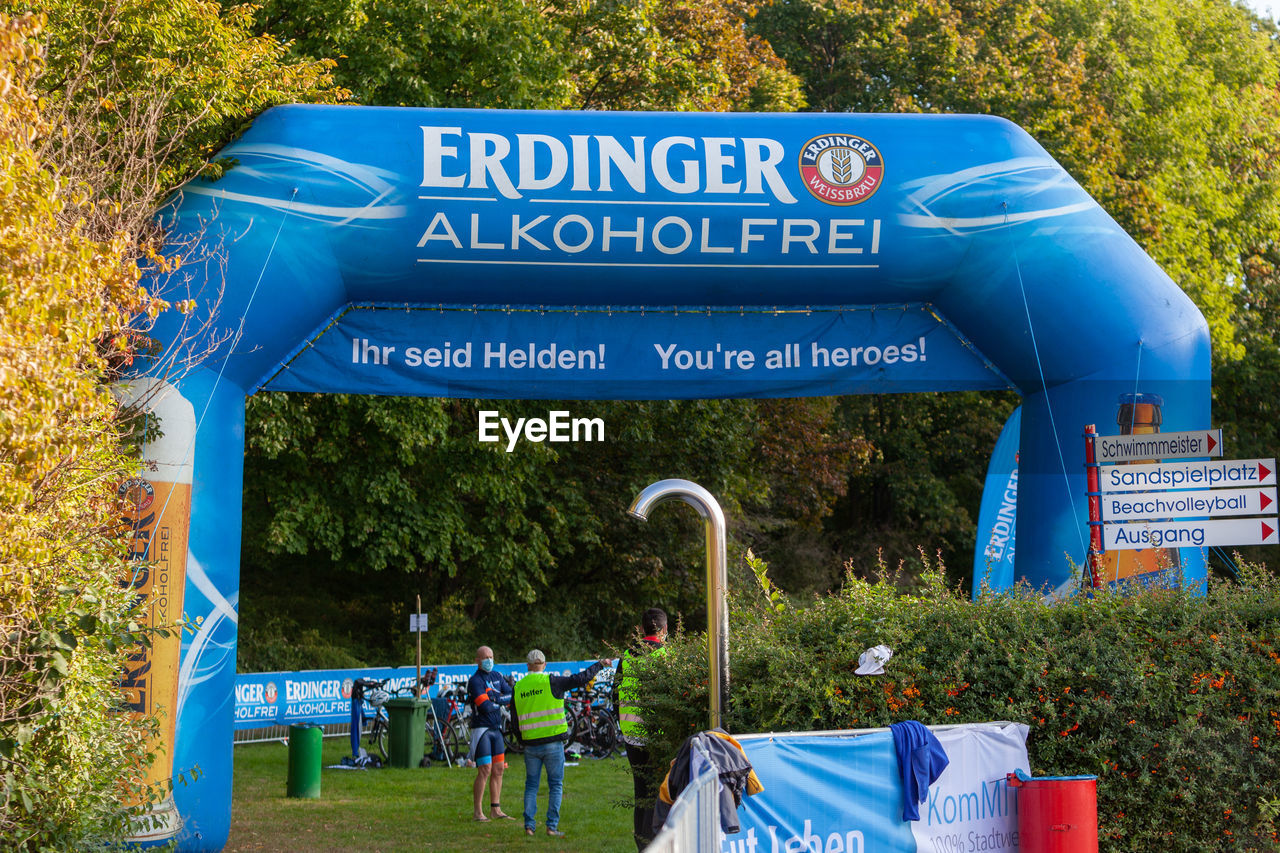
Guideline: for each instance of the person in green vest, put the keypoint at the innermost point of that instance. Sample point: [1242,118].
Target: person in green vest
[653,626]
[539,709]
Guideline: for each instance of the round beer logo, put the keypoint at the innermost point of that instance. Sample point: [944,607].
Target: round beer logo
[347,686]
[136,493]
[841,169]
[270,693]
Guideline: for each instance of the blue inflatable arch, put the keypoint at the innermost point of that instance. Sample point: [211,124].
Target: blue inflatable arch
[566,255]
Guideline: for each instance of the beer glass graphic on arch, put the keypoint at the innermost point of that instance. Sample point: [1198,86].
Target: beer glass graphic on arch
[1141,414]
[156,506]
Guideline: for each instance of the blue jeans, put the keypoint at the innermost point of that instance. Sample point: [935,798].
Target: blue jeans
[550,755]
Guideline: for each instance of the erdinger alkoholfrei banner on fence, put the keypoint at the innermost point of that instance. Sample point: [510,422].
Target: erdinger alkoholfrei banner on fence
[843,794]
[323,696]
[586,255]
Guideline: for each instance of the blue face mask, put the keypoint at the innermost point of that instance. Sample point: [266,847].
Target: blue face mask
[487,665]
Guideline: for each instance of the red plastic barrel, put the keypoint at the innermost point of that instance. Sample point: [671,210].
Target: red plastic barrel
[1057,814]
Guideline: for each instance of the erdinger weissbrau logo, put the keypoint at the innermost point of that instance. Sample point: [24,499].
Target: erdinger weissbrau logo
[136,493]
[841,169]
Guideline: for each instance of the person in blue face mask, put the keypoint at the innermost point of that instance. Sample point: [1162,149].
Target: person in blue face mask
[488,691]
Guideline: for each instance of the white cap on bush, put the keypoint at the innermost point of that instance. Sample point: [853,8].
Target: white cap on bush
[872,661]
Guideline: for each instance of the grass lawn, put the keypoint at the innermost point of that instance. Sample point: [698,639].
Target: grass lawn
[384,811]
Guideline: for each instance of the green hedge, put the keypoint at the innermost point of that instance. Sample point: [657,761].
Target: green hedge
[1171,699]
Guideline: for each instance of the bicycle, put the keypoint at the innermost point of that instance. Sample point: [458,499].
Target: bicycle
[510,728]
[456,734]
[510,731]
[592,722]
[449,739]
[374,692]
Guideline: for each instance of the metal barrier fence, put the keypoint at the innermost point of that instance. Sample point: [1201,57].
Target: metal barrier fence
[693,824]
[281,733]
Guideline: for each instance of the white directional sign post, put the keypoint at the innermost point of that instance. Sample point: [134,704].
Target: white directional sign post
[1179,534]
[1159,445]
[1178,504]
[1188,475]
[1210,503]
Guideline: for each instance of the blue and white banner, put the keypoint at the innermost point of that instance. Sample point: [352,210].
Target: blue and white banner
[526,352]
[844,794]
[323,696]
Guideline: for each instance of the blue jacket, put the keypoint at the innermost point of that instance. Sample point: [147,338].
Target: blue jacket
[486,691]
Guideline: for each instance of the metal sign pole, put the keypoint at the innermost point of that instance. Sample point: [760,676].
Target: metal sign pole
[1094,493]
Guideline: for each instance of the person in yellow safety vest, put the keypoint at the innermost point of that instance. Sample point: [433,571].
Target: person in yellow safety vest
[539,710]
[653,624]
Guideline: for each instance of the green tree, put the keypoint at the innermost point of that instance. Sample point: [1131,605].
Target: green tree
[400,484]
[1250,416]
[924,481]
[681,55]
[616,54]
[1193,92]
[805,452]
[511,544]
[450,53]
[1165,112]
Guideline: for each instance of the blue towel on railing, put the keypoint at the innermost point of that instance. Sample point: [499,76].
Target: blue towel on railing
[921,760]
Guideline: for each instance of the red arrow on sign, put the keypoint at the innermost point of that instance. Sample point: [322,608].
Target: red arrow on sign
[1266,501]
[1267,531]
[1212,443]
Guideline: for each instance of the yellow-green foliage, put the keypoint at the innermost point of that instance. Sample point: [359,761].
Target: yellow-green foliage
[1170,698]
[104,107]
[138,95]
[62,750]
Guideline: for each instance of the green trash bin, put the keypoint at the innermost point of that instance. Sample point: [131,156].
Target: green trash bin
[305,742]
[406,737]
